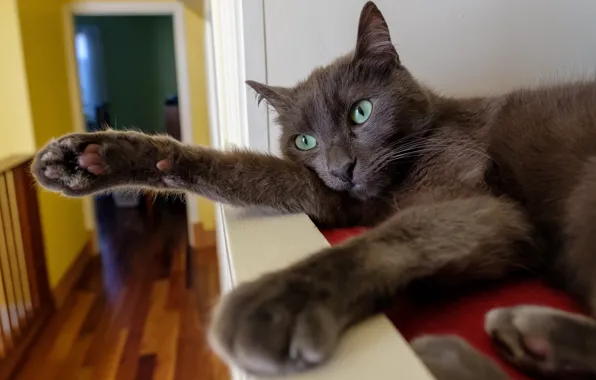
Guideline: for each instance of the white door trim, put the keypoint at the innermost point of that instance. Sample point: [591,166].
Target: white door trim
[176,10]
[255,68]
[227,53]
[236,41]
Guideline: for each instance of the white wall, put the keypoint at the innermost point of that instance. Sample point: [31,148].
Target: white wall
[459,47]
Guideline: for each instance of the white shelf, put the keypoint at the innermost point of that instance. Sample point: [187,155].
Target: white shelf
[252,243]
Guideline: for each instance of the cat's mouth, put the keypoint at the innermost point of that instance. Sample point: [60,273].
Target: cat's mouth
[359,191]
[341,185]
[356,189]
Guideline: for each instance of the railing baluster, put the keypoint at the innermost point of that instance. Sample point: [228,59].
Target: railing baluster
[3,340]
[5,301]
[18,236]
[26,301]
[41,295]
[13,257]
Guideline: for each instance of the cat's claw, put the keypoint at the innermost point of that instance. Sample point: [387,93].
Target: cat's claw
[267,329]
[70,165]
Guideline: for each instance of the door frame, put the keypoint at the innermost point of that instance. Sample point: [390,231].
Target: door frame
[176,11]
[236,51]
[235,117]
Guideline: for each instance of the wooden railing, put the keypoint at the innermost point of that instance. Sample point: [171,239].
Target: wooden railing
[25,298]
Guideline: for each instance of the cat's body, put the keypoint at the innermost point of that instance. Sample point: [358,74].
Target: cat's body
[458,189]
[536,147]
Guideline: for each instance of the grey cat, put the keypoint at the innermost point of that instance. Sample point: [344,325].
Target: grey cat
[458,190]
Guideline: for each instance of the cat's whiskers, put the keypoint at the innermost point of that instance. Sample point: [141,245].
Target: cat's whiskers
[418,148]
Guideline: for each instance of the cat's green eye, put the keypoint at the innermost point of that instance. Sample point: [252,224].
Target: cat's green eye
[305,142]
[361,111]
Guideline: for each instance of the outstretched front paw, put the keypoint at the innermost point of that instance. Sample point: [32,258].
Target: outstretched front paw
[277,325]
[84,163]
[71,164]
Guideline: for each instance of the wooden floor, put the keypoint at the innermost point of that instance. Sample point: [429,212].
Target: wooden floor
[138,313]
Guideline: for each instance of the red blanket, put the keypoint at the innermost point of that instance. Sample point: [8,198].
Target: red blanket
[463,314]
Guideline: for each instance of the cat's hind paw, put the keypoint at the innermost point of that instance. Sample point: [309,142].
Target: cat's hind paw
[542,340]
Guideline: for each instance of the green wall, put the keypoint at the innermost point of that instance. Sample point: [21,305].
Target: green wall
[140,68]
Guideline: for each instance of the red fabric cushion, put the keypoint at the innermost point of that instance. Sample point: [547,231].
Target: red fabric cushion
[463,314]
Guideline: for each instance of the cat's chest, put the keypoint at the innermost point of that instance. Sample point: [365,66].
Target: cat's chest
[453,174]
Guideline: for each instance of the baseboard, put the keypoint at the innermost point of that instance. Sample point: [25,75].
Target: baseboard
[73,274]
[203,238]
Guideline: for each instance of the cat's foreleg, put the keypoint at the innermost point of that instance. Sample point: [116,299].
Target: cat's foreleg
[291,320]
[86,163]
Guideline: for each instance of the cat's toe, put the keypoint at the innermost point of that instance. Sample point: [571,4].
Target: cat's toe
[266,332]
[53,172]
[92,160]
[541,339]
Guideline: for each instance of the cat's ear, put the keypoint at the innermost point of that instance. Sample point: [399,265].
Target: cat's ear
[374,40]
[278,97]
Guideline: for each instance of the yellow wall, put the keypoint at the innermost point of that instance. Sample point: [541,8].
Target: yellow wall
[16,132]
[45,62]
[195,31]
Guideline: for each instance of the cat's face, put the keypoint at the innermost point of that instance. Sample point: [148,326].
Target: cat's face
[347,120]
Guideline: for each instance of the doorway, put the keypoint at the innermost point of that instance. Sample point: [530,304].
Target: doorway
[128,79]
[177,106]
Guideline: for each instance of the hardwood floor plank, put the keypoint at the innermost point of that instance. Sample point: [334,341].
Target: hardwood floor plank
[132,315]
[36,358]
[108,369]
[71,327]
[161,332]
[91,323]
[72,365]
[177,276]
[52,350]
[138,302]
[84,373]
[147,364]
[103,334]
[167,351]
[207,289]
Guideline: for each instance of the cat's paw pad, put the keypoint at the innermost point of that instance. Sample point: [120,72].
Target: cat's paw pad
[69,165]
[541,339]
[270,327]
[91,159]
[451,357]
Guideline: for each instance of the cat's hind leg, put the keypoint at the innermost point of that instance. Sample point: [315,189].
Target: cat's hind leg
[449,357]
[548,341]
[545,341]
